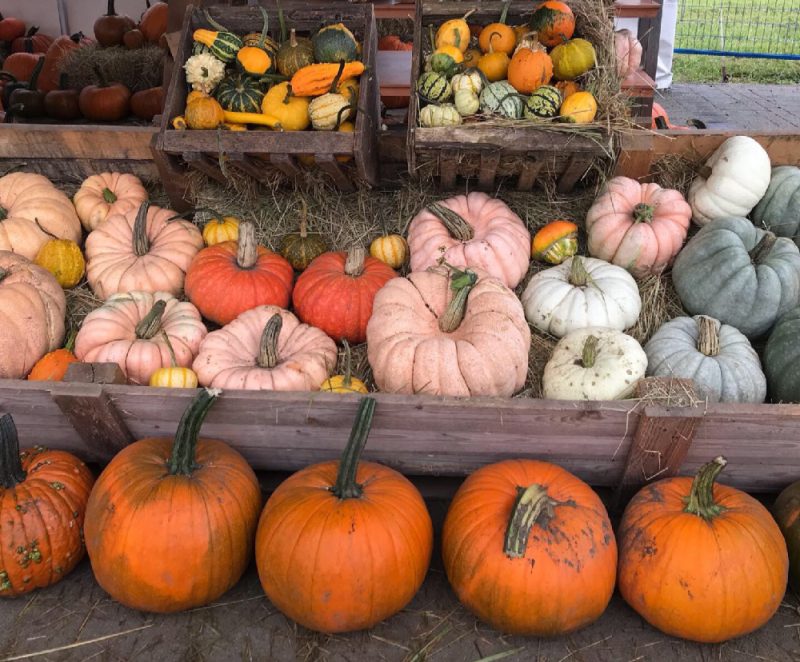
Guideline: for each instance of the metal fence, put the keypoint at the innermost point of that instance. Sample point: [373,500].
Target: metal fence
[740,28]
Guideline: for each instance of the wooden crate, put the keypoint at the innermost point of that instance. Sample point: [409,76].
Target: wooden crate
[486,153]
[255,153]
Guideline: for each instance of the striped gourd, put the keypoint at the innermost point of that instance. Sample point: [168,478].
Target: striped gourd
[222,45]
[434,87]
[436,116]
[501,98]
[543,103]
[328,111]
[239,93]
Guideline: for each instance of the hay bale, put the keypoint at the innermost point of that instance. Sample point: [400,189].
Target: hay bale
[137,69]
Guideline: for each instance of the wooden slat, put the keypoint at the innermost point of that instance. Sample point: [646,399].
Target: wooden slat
[286,164]
[508,138]
[530,171]
[204,164]
[329,164]
[488,170]
[250,167]
[58,141]
[365,138]
[636,8]
[650,35]
[576,168]
[94,373]
[448,169]
[259,142]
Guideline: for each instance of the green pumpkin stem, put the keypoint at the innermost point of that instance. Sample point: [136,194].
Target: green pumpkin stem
[182,461]
[70,344]
[503,16]
[34,79]
[268,347]
[282,23]
[338,75]
[578,276]
[11,472]
[643,213]
[173,361]
[3,213]
[213,23]
[3,274]
[141,244]
[531,506]
[589,354]
[461,282]
[150,324]
[453,221]
[700,501]
[247,250]
[108,196]
[265,29]
[348,364]
[762,249]
[354,264]
[346,486]
[707,335]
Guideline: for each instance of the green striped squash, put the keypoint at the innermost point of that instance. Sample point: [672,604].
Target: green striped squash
[239,93]
[335,43]
[545,102]
[501,98]
[434,87]
[224,46]
[444,64]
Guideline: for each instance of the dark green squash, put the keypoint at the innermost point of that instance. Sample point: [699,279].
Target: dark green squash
[433,87]
[781,359]
[240,93]
[335,43]
[294,54]
[544,103]
[779,209]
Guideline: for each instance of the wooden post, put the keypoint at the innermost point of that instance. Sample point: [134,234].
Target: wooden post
[650,36]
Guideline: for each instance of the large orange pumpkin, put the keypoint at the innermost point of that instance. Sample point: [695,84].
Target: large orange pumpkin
[231,277]
[553,22]
[170,522]
[529,549]
[336,291]
[530,68]
[701,561]
[43,496]
[343,545]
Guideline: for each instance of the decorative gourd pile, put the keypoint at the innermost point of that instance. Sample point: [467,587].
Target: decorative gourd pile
[252,80]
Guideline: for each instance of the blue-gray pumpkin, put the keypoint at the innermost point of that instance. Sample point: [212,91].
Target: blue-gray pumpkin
[782,359]
[779,209]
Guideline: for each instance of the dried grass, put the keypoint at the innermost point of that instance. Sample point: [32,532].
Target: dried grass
[137,69]
[675,171]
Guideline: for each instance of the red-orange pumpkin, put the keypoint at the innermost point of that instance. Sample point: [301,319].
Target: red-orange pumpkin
[49,77]
[31,42]
[336,291]
[530,68]
[21,65]
[228,278]
[11,28]
[53,365]
[153,23]
[553,22]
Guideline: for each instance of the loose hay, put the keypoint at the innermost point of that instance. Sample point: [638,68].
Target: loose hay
[137,69]
[675,171]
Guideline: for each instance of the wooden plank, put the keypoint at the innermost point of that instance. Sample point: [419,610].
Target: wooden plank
[89,141]
[329,164]
[650,36]
[576,168]
[636,8]
[783,148]
[95,373]
[448,169]
[249,166]
[204,164]
[173,178]
[530,171]
[488,170]
[368,118]
[508,138]
[286,164]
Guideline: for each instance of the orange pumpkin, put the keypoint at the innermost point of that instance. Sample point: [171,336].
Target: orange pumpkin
[494,65]
[529,549]
[53,365]
[471,57]
[170,522]
[343,545]
[567,88]
[699,560]
[555,242]
[553,22]
[229,278]
[498,36]
[530,68]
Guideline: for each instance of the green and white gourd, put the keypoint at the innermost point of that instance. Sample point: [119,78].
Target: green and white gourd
[328,111]
[434,115]
[467,103]
[444,64]
[240,93]
[544,103]
[782,359]
[334,43]
[471,80]
[718,358]
[500,98]
[779,209]
[434,88]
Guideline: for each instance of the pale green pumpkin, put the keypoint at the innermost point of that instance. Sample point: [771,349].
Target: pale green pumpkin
[779,209]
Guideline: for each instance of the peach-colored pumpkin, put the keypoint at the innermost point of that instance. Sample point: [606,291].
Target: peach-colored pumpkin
[32,309]
[107,193]
[628,50]
[269,349]
[32,212]
[141,250]
[478,231]
[136,329]
[416,343]
[640,227]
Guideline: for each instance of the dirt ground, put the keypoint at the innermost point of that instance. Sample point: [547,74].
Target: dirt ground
[81,622]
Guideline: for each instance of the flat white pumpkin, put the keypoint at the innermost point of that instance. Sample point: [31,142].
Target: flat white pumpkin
[739,177]
[594,364]
[581,292]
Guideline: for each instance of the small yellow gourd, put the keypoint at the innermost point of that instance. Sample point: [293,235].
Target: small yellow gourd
[391,249]
[328,111]
[345,383]
[204,113]
[261,119]
[290,111]
[62,258]
[350,88]
[466,102]
[173,376]
[179,123]
[579,108]
[454,32]
[494,65]
[221,228]
[470,80]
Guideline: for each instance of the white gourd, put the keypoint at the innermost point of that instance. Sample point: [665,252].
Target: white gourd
[204,72]
[467,103]
[328,111]
[469,80]
[442,115]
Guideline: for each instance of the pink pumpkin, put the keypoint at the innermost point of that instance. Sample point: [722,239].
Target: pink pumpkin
[472,230]
[640,227]
[628,50]
[141,332]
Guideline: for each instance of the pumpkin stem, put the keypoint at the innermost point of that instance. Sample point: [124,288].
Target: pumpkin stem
[303,218]
[141,244]
[282,23]
[348,364]
[346,486]
[578,276]
[213,23]
[108,195]
[762,249]
[336,78]
[265,29]
[110,11]
[247,252]
[3,274]
[532,505]
[589,355]
[354,264]
[707,335]
[184,448]
[700,501]
[643,213]
[268,348]
[11,472]
[3,213]
[173,361]
[704,171]
[293,38]
[453,221]
[70,344]
[150,324]
[34,79]
[503,16]
[461,282]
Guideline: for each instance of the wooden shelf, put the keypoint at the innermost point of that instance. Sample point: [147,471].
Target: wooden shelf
[636,8]
[396,10]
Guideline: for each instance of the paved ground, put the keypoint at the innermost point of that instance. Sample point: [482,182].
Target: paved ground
[734,106]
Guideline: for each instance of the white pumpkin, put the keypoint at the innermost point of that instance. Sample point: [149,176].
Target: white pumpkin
[441,115]
[579,293]
[594,363]
[470,80]
[466,102]
[738,177]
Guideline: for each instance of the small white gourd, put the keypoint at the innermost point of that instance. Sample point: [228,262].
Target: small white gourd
[328,111]
[436,116]
[204,72]
[469,80]
[467,103]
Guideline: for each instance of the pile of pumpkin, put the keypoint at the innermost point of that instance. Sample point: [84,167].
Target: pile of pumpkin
[342,545]
[34,85]
[505,71]
[252,80]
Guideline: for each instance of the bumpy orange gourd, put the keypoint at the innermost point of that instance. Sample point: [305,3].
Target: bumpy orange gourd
[53,365]
[343,545]
[43,496]
[529,549]
[699,560]
[170,523]
[530,68]
[555,242]
[316,79]
[553,22]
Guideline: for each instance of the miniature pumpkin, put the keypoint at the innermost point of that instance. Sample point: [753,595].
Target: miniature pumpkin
[11,28]
[32,41]
[62,258]
[466,102]
[553,22]
[219,229]
[555,242]
[454,32]
[182,501]
[107,193]
[448,332]
[472,230]
[336,291]
[365,534]
[292,112]
[528,548]
[434,87]
[738,178]
[579,108]
[685,543]
[345,383]
[390,249]
[738,274]
[104,102]
[716,357]
[544,103]
[146,104]
[392,42]
[204,113]
[21,65]
[328,111]
[316,79]
[581,292]
[494,65]
[502,99]
[62,103]
[266,348]
[239,92]
[628,51]
[782,359]
[573,58]
[53,365]
[110,28]
[57,51]
[43,497]
[498,36]
[446,114]
[145,249]
[133,39]
[567,88]
[141,332]
[530,69]
[301,247]
[785,511]
[173,376]
[255,59]
[640,227]
[470,80]
[203,73]
[779,208]
[294,54]
[334,43]
[32,212]
[153,23]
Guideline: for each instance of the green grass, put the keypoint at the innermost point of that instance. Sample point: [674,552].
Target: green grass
[709,69]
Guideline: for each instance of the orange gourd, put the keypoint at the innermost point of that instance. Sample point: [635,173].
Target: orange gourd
[567,88]
[494,65]
[317,79]
[530,68]
[555,242]
[498,36]
[553,22]
[21,65]
[153,23]
[53,365]
[471,58]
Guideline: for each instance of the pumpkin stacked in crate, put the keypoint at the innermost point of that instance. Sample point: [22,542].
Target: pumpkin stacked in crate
[495,71]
